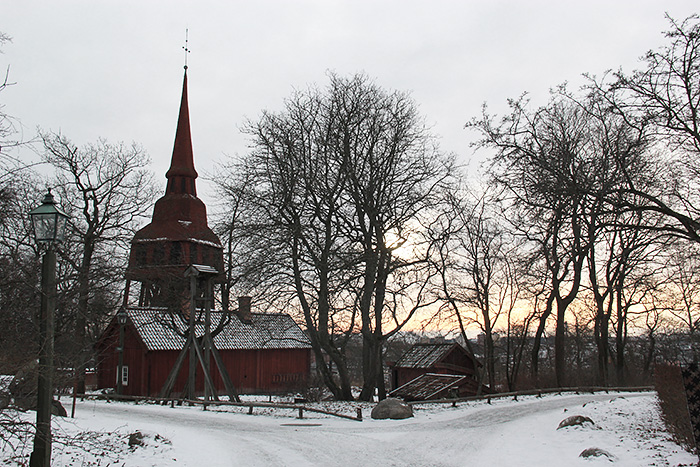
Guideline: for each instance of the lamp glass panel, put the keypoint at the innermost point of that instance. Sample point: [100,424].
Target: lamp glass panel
[61,223]
[44,226]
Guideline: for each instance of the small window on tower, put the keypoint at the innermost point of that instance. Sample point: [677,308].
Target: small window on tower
[139,250]
[175,253]
[194,253]
[158,253]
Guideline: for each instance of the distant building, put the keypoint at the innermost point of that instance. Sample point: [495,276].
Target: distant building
[262,352]
[435,370]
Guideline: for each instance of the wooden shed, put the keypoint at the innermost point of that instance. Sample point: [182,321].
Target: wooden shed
[431,370]
[268,354]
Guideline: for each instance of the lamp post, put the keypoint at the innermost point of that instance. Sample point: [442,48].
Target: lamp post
[121,319]
[49,225]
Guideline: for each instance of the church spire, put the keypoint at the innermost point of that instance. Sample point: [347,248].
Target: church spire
[181,175]
[178,235]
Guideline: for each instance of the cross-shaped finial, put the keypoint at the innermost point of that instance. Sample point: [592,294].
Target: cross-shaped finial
[185,48]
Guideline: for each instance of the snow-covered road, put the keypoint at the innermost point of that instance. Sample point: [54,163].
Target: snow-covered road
[515,433]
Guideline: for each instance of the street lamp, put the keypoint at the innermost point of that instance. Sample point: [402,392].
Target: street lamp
[121,319]
[49,225]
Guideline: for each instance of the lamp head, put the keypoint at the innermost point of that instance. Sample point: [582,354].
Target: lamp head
[48,222]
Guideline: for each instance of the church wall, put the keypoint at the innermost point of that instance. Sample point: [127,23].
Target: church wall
[251,371]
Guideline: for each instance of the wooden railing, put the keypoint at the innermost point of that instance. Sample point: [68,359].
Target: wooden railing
[300,408]
[535,392]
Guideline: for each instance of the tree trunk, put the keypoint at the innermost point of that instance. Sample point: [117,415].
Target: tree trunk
[82,312]
[490,360]
[537,343]
[560,361]
[649,356]
[602,335]
[621,333]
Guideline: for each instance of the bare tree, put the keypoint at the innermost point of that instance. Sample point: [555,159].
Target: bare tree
[682,284]
[393,169]
[337,183]
[477,271]
[12,169]
[664,96]
[542,160]
[291,192]
[106,188]
[19,259]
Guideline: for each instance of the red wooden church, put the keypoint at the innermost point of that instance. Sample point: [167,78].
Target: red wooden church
[261,352]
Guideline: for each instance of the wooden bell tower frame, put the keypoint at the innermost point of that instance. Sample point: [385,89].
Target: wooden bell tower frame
[201,348]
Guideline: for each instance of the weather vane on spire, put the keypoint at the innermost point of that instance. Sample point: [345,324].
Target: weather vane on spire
[185,48]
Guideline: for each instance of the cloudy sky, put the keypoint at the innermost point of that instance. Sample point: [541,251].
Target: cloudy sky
[113,69]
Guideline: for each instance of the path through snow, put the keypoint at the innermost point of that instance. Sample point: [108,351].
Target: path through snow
[507,432]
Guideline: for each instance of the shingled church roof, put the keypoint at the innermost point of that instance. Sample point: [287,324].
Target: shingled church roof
[156,328]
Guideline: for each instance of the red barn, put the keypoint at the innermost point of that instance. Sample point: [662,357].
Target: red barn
[267,354]
[428,371]
[176,261]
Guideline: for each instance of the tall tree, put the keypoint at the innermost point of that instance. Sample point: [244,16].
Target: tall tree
[476,262]
[542,159]
[290,189]
[393,169]
[11,167]
[338,182]
[665,96]
[106,188]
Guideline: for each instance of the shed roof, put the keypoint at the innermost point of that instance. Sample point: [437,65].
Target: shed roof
[156,328]
[427,386]
[425,355]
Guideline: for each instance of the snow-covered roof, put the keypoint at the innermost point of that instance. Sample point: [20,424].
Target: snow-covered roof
[424,355]
[266,331]
[427,386]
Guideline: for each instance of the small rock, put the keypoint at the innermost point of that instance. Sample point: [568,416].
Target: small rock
[136,439]
[596,452]
[575,420]
[392,408]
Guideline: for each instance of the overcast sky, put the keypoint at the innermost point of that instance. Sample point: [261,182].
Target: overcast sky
[113,69]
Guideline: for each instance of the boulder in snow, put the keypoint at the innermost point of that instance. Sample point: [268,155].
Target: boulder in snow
[392,408]
[575,420]
[23,390]
[596,452]
[58,409]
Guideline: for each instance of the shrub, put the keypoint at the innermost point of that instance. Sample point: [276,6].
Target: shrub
[668,383]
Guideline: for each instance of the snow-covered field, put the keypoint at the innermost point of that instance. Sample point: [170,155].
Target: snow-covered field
[504,433]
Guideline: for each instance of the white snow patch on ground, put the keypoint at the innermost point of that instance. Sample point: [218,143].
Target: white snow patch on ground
[506,432]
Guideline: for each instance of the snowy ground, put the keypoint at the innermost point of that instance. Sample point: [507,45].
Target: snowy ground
[505,433]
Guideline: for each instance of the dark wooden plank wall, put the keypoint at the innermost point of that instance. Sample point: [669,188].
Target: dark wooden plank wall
[252,371]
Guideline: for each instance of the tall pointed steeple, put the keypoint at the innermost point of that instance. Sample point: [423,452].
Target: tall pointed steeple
[178,235]
[182,174]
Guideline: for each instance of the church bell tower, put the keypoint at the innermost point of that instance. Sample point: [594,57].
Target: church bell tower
[178,235]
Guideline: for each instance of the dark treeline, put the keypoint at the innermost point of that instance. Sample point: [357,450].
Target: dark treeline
[575,259]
